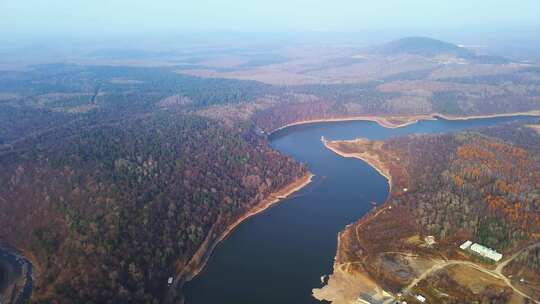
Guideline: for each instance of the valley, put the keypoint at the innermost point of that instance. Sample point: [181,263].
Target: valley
[144,170]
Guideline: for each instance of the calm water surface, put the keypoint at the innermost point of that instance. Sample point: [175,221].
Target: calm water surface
[280,255]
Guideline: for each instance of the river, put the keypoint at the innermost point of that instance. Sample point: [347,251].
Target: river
[280,255]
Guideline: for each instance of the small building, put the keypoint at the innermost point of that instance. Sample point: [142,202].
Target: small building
[429,240]
[421,298]
[170,280]
[465,245]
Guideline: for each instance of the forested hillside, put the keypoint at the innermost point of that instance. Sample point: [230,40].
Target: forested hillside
[481,185]
[109,213]
[484,186]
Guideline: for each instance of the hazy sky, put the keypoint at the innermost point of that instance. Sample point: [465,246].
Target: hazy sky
[42,17]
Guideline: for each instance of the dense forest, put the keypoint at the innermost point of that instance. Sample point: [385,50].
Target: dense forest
[109,213]
[483,184]
[49,96]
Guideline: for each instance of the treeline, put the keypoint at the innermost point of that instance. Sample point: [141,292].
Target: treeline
[323,102]
[151,82]
[80,90]
[52,95]
[111,212]
[462,103]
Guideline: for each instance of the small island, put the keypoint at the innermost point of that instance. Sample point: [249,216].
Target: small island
[461,223]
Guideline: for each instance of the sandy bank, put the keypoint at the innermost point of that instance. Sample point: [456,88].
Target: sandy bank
[455,117]
[381,120]
[385,121]
[348,285]
[203,254]
[372,159]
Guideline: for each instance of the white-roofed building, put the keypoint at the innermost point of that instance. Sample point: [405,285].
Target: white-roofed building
[486,252]
[421,298]
[465,245]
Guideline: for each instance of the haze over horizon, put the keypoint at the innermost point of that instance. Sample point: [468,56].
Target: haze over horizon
[77,18]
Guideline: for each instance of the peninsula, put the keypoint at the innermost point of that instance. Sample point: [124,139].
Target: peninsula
[447,191]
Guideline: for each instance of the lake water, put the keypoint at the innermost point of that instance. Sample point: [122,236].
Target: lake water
[280,255]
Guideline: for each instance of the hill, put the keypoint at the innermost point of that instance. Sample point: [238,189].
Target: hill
[422,46]
[429,47]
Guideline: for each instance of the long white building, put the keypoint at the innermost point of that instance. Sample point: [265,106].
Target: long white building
[486,252]
[482,251]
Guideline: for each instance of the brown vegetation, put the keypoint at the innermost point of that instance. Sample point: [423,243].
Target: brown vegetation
[478,186]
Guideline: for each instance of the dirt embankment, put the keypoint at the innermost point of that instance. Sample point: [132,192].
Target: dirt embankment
[197,263]
[355,259]
[372,152]
[400,121]
[371,158]
[463,117]
[391,122]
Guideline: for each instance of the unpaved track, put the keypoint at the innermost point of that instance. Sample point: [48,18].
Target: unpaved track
[501,266]
[497,273]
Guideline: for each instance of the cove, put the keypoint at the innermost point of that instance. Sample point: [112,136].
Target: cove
[280,255]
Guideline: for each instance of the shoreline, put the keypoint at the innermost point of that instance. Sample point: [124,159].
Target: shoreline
[204,253]
[381,120]
[410,119]
[452,117]
[369,159]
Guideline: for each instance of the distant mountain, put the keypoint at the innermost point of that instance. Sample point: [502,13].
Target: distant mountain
[429,47]
[422,46]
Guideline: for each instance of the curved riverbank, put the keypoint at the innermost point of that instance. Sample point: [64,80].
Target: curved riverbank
[199,260]
[383,121]
[400,121]
[457,117]
[289,247]
[202,258]
[370,159]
